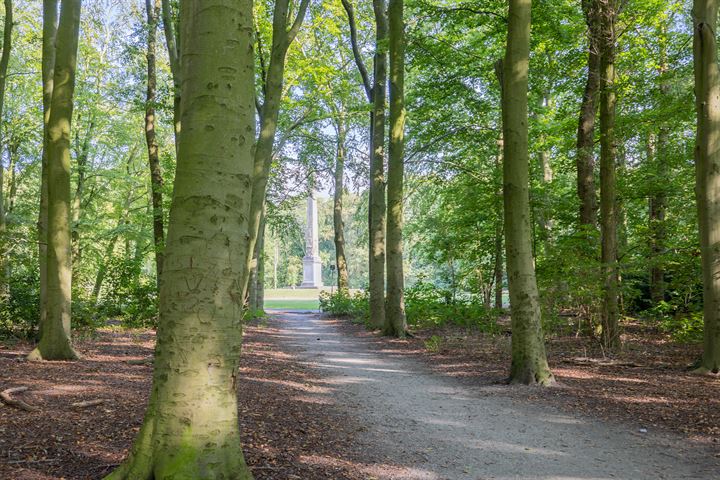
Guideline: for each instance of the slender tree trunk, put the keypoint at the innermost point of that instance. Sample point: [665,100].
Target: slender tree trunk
[273,87]
[658,199]
[260,280]
[585,159]
[377,209]
[82,155]
[339,228]
[55,340]
[608,159]
[499,219]
[10,205]
[707,165]
[191,428]
[498,267]
[110,247]
[4,61]
[529,361]
[395,322]
[50,19]
[152,8]
[172,43]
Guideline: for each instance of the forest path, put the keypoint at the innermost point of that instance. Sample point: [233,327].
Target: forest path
[437,428]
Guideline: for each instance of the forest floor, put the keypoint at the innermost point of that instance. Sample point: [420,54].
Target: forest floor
[323,399]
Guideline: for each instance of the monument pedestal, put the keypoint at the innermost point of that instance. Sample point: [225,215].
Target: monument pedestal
[312,273]
[312,266]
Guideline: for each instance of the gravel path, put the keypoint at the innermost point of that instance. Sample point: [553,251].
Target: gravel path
[430,427]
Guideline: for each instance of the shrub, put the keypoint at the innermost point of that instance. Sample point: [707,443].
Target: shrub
[686,328]
[345,304]
[425,306]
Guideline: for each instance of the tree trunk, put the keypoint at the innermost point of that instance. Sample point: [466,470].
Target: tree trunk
[377,208]
[82,154]
[707,165]
[50,19]
[55,340]
[273,87]
[4,61]
[585,159]
[152,8]
[110,247]
[395,322]
[191,428]
[260,280]
[171,41]
[529,361]
[608,159]
[658,199]
[339,228]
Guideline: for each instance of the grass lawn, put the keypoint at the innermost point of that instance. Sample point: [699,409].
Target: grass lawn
[297,299]
[292,304]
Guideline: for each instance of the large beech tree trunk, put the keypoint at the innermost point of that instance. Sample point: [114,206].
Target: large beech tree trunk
[377,208]
[4,61]
[338,225]
[55,339]
[608,159]
[395,323]
[50,19]
[707,165]
[191,427]
[585,160]
[529,361]
[152,8]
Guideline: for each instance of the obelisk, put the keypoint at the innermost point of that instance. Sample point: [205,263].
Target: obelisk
[312,271]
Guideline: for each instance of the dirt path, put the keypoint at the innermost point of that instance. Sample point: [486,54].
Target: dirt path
[441,429]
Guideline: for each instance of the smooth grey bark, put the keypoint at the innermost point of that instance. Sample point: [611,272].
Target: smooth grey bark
[529,360]
[395,321]
[707,167]
[608,158]
[191,430]
[50,20]
[55,339]
[585,158]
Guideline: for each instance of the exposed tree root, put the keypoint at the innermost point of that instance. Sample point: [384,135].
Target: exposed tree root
[6,396]
[87,403]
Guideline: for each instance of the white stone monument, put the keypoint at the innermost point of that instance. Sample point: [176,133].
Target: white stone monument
[312,271]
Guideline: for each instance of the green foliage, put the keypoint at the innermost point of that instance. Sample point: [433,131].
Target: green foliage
[20,311]
[428,306]
[684,328]
[345,304]
[129,295]
[434,344]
